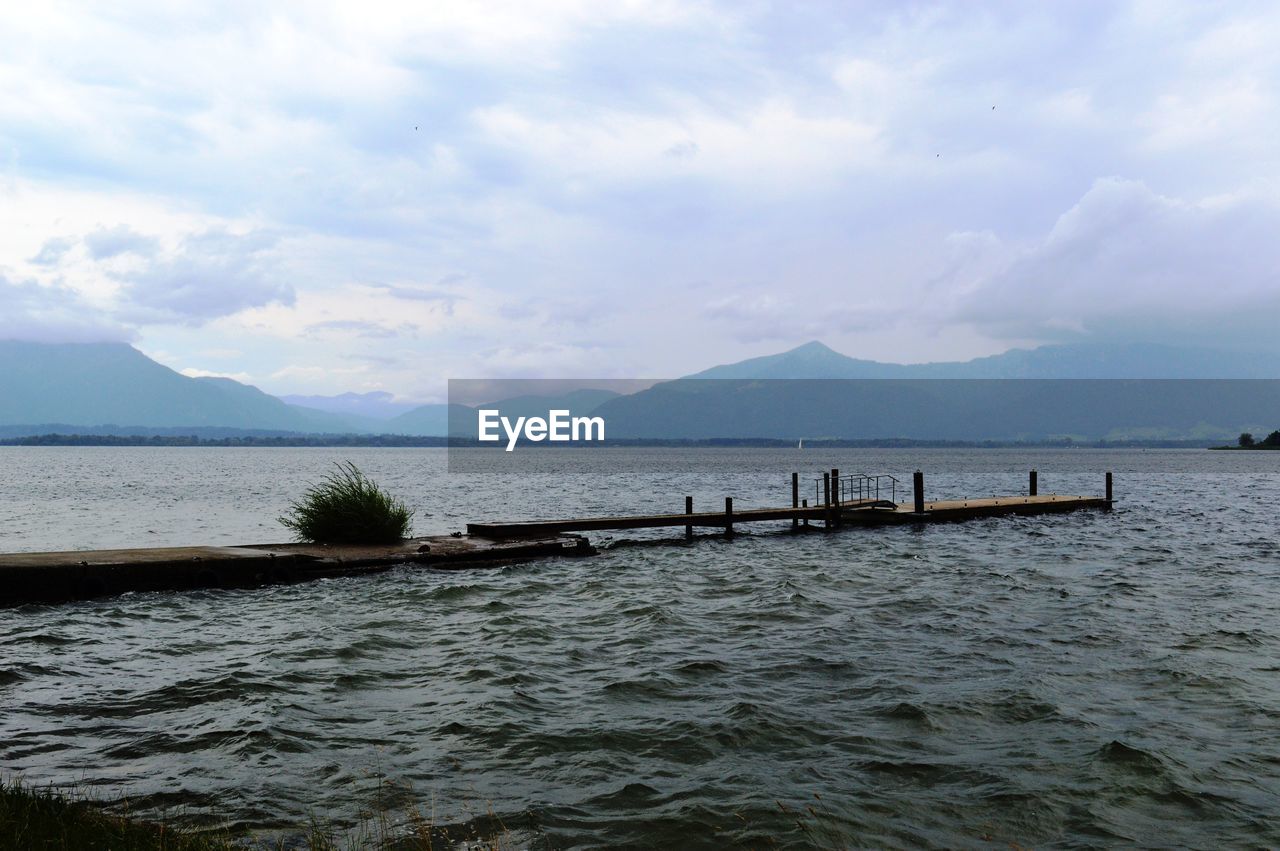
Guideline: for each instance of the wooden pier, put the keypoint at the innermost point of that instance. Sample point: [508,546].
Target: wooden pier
[863,513]
[857,500]
[833,510]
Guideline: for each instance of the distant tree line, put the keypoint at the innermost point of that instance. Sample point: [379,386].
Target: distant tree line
[1271,441]
[354,440]
[400,440]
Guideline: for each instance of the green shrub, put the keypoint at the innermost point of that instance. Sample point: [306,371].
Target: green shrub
[348,508]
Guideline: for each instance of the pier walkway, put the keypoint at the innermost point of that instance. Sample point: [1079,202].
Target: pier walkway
[857,500]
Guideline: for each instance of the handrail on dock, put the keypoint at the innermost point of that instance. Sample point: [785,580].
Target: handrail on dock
[856,487]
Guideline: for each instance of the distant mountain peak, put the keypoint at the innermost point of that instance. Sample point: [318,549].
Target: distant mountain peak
[814,359]
[813,346]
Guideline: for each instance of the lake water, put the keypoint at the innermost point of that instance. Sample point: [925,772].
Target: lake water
[1091,679]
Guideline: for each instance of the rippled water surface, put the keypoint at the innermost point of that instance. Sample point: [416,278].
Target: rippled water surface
[1077,680]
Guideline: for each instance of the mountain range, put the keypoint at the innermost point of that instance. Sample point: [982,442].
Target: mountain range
[47,387]
[89,384]
[1095,360]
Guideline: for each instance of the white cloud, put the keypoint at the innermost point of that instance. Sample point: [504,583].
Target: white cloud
[1126,258]
[417,190]
[771,143]
[193,372]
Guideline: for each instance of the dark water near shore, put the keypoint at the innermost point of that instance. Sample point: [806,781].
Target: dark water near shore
[1081,680]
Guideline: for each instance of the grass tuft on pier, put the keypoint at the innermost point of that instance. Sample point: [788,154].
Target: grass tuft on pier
[348,508]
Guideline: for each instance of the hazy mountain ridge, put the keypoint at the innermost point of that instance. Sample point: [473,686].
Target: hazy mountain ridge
[376,404]
[943,409]
[113,386]
[1094,360]
[97,383]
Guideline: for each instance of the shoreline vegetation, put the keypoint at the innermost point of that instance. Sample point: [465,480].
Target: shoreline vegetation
[57,819]
[1248,442]
[435,442]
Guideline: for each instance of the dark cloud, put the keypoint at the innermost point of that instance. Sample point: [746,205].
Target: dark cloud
[212,274]
[121,239]
[53,314]
[1126,262]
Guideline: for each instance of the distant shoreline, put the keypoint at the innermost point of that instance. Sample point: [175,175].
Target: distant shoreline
[409,441]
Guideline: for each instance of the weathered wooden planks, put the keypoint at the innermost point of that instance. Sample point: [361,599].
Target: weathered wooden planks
[717,519]
[861,512]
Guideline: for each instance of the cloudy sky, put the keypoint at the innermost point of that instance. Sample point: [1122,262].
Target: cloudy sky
[361,196]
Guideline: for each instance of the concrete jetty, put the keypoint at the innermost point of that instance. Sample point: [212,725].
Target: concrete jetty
[54,577]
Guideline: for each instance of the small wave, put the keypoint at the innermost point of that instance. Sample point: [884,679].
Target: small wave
[454,592]
[653,688]
[905,711]
[630,796]
[702,666]
[1023,707]
[1117,753]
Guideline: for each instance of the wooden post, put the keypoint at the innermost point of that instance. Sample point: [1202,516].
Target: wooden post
[795,499]
[1108,488]
[835,495]
[728,517]
[1032,486]
[688,509]
[918,481]
[826,500]
[804,503]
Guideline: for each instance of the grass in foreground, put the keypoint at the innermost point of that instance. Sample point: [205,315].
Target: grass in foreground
[51,820]
[348,508]
[47,819]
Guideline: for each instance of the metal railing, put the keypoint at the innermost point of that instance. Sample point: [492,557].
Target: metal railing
[858,487]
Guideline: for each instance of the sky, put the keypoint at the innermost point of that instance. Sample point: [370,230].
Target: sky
[318,198]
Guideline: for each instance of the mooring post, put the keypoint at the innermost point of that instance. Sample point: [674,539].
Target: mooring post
[804,503]
[795,498]
[918,481]
[728,517]
[835,496]
[1108,488]
[826,500]
[1032,485]
[688,509]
